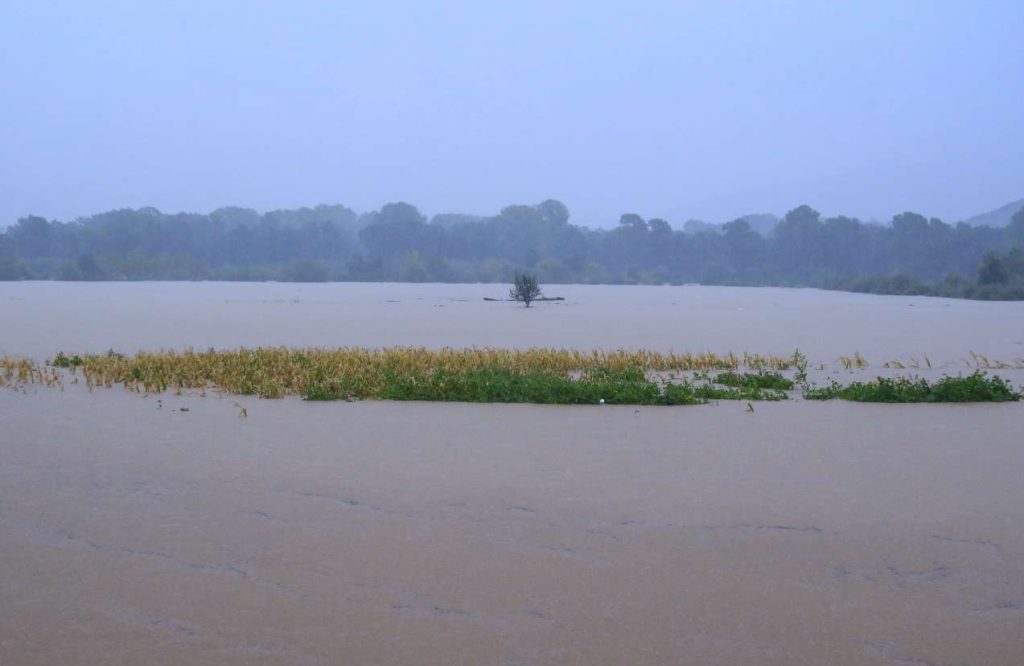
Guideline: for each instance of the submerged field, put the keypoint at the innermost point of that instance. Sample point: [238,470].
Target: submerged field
[539,376]
[39,319]
[146,523]
[455,533]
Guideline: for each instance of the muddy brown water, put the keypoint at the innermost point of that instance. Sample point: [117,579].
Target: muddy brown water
[408,533]
[41,318]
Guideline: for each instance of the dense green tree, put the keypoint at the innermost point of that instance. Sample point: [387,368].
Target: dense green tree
[799,247]
[12,268]
[745,246]
[306,270]
[399,228]
[1016,229]
[33,237]
[912,254]
[553,212]
[993,270]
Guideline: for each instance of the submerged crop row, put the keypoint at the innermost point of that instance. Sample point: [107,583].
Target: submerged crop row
[20,371]
[373,373]
[543,376]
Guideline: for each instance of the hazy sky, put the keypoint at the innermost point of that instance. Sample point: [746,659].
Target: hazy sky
[674,109]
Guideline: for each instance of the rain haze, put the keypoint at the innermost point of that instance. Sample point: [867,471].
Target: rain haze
[522,334]
[669,109]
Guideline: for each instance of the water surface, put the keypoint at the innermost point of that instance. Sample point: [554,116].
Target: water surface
[410,533]
[40,318]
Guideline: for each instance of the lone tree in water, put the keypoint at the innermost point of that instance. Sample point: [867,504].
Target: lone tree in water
[525,289]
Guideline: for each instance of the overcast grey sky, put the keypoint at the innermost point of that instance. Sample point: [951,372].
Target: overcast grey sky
[669,109]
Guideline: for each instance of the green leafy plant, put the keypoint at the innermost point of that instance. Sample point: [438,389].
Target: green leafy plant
[61,360]
[755,380]
[976,387]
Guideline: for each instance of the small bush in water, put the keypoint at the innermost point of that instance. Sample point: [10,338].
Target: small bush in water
[63,361]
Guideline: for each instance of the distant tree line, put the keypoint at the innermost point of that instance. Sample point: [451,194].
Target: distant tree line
[910,255]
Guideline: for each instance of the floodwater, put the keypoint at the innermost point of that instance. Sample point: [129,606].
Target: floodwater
[41,318]
[411,533]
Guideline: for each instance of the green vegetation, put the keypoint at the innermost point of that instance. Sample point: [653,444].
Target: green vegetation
[628,386]
[541,376]
[976,387]
[1000,277]
[473,375]
[63,361]
[755,380]
[909,255]
[600,385]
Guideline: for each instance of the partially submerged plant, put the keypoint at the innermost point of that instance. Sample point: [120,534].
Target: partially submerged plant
[63,361]
[976,387]
[799,361]
[549,376]
[755,380]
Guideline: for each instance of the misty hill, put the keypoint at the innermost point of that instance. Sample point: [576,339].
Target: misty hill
[909,254]
[1000,217]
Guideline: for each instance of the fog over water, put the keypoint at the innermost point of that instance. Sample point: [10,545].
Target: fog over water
[277,163]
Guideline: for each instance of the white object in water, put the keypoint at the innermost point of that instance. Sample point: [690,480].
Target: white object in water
[601,401]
